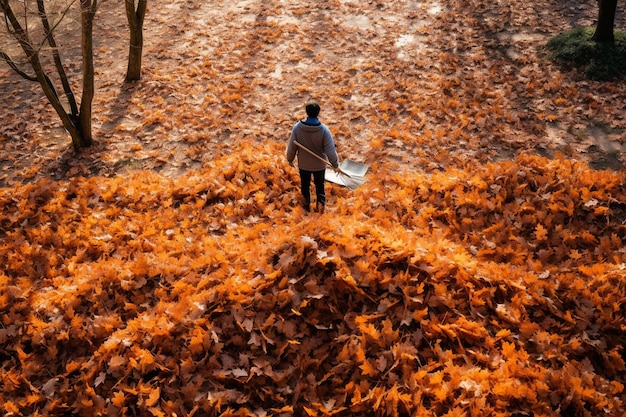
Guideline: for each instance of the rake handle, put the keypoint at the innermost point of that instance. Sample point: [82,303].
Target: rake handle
[352,184]
[310,152]
[301,146]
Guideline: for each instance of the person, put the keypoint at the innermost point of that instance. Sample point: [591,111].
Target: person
[316,137]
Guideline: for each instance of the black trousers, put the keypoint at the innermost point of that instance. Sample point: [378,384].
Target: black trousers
[305,187]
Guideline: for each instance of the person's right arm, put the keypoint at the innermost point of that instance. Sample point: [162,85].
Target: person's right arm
[329,148]
[291,147]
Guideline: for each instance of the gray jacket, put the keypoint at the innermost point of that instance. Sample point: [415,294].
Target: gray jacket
[316,138]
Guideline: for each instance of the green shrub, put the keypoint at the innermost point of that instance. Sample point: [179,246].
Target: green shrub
[598,61]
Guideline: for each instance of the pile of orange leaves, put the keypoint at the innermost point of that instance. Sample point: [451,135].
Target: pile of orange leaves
[498,292]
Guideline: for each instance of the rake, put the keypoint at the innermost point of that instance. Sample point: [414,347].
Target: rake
[339,175]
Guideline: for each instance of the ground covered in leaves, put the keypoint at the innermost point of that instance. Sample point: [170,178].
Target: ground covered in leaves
[170,270]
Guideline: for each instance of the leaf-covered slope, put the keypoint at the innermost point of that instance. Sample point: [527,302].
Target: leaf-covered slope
[496,292]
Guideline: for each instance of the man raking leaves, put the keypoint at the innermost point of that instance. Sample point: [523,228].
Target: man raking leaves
[314,137]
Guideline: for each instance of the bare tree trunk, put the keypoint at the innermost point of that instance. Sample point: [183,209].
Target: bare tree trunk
[135,23]
[88,12]
[606,21]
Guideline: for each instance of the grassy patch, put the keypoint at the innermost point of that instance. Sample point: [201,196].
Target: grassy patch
[598,61]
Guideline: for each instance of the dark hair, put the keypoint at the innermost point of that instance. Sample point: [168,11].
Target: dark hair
[312,109]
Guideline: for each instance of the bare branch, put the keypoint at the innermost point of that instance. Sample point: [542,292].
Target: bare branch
[15,28]
[56,56]
[15,68]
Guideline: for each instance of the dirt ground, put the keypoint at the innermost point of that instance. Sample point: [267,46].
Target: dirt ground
[412,84]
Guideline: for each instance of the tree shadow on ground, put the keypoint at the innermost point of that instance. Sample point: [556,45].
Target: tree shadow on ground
[592,140]
[575,49]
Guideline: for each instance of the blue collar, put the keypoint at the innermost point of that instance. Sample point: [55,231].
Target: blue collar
[312,121]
